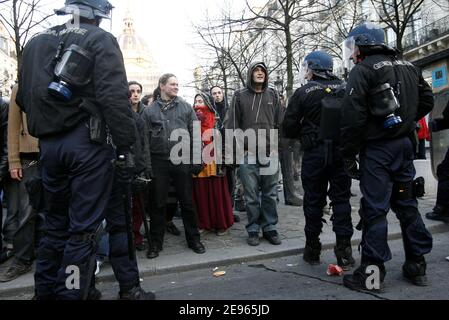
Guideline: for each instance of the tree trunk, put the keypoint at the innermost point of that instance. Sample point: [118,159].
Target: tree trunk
[289,51]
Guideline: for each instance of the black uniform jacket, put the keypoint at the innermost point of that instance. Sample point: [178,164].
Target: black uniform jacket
[106,92]
[358,124]
[303,114]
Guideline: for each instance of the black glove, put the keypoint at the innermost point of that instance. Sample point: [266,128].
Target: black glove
[125,167]
[352,168]
[437,125]
[140,183]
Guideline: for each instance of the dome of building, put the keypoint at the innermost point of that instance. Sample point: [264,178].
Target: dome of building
[139,63]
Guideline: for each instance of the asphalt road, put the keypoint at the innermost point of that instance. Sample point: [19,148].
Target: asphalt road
[290,278]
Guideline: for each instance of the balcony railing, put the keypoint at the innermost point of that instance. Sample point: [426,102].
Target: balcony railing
[424,35]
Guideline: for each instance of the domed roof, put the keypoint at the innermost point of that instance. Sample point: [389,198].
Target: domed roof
[129,40]
[139,63]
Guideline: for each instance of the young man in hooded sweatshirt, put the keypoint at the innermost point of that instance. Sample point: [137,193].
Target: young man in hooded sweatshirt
[255,111]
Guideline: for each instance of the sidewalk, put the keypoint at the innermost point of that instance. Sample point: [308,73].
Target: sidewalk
[232,248]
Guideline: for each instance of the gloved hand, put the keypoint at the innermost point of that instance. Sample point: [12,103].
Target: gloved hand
[140,183]
[125,166]
[352,168]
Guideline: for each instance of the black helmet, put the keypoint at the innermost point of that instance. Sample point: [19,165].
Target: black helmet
[89,9]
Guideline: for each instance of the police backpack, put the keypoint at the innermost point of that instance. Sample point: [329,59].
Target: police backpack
[331,106]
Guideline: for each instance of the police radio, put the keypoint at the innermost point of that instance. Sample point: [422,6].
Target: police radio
[73,69]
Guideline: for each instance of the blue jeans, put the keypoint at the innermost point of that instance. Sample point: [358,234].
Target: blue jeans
[260,196]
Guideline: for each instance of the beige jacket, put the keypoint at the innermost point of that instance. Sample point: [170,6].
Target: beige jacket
[19,140]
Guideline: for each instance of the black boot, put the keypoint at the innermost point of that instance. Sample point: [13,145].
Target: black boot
[414,270]
[343,252]
[94,294]
[312,251]
[439,213]
[359,279]
[137,293]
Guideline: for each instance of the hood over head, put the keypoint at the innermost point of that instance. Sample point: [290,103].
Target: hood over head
[249,81]
[207,100]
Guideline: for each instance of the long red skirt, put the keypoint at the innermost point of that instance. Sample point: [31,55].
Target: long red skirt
[213,203]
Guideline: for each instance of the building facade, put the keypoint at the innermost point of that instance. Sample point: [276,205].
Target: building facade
[8,63]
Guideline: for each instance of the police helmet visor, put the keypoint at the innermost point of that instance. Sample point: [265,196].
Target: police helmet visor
[349,49]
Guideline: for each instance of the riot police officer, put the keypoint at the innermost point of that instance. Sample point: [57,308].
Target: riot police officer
[69,91]
[322,166]
[441,210]
[385,97]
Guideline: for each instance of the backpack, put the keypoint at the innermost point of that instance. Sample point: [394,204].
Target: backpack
[331,106]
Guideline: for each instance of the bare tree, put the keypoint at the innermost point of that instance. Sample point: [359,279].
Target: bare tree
[227,49]
[397,14]
[333,26]
[22,18]
[288,19]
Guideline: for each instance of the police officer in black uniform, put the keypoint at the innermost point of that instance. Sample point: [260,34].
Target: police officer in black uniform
[441,210]
[385,97]
[322,167]
[71,82]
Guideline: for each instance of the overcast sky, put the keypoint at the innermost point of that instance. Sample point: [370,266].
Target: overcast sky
[166,25]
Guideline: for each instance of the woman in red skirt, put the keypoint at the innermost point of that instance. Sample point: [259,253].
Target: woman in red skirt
[210,188]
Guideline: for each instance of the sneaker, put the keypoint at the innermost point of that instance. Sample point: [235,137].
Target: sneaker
[415,272]
[172,229]
[236,218]
[439,213]
[272,237]
[253,239]
[137,293]
[15,271]
[358,281]
[312,252]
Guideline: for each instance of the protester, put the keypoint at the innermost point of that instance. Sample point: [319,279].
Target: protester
[210,188]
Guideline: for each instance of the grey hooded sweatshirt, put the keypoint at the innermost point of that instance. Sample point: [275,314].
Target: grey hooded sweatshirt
[252,110]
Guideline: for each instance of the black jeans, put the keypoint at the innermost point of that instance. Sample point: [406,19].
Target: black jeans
[182,181]
[24,237]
